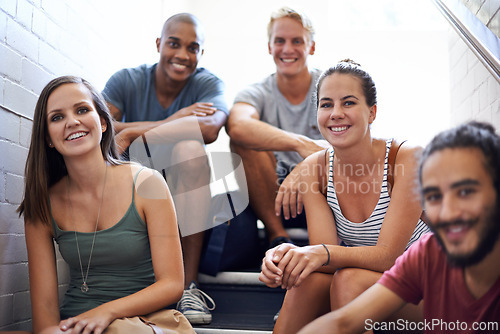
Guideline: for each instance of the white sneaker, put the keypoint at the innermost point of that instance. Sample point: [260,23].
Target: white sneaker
[193,305]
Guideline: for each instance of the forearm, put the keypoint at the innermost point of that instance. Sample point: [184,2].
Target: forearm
[44,316]
[374,258]
[185,128]
[322,229]
[42,276]
[210,126]
[44,296]
[139,127]
[374,305]
[199,128]
[333,322]
[257,135]
[153,298]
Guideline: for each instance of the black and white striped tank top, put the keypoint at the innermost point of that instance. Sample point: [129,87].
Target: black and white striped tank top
[365,233]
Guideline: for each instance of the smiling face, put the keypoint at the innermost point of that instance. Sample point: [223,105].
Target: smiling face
[460,201]
[180,48]
[73,124]
[343,114]
[290,45]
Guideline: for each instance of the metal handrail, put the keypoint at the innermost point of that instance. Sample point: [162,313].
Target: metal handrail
[476,35]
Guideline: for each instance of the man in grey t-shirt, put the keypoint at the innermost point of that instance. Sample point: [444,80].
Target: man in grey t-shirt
[272,124]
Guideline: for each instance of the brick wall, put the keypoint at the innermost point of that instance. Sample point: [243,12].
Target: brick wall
[475,93]
[487,11]
[41,39]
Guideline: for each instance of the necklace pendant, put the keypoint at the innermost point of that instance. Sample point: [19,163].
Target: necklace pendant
[84,287]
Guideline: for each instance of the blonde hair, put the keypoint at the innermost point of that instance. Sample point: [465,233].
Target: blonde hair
[293,14]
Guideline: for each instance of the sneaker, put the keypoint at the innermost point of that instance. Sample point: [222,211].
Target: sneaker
[193,305]
[277,315]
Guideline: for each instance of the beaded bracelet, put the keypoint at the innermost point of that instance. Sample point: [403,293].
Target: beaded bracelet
[327,252]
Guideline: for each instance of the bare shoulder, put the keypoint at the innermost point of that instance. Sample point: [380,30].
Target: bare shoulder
[58,194]
[314,166]
[149,183]
[409,152]
[316,158]
[407,160]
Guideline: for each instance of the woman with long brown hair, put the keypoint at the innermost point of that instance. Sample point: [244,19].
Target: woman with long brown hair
[114,222]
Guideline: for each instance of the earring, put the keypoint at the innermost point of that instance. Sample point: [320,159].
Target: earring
[51,145]
[103,128]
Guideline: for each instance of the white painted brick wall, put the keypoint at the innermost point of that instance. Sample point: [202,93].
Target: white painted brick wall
[10,223]
[3,26]
[2,194]
[475,93]
[2,84]
[33,76]
[21,306]
[41,39]
[19,99]
[6,307]
[487,11]
[21,39]
[9,124]
[11,63]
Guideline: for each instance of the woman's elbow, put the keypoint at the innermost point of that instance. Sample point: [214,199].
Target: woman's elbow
[178,291]
[175,291]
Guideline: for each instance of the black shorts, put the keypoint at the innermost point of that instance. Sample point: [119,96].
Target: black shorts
[283,168]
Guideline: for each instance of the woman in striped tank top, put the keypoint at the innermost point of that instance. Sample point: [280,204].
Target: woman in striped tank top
[348,204]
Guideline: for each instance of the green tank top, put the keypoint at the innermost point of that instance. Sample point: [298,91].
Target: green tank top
[121,262]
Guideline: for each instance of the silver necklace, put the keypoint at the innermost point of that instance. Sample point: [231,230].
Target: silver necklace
[84,287]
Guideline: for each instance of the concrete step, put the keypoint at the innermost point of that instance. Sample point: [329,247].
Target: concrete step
[228,331]
[231,278]
[243,303]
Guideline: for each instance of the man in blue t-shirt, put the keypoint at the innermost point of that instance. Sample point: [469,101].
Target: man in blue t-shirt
[181,107]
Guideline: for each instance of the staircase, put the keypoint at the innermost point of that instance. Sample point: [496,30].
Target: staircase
[244,305]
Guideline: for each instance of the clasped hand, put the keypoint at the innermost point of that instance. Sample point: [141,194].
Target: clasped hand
[288,265]
[198,109]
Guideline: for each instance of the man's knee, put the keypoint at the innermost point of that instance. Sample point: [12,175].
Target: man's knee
[190,167]
[244,152]
[187,149]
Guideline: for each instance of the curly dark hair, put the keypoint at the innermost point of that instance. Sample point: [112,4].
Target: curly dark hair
[474,134]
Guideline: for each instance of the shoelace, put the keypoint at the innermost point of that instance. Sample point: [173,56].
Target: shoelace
[196,299]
